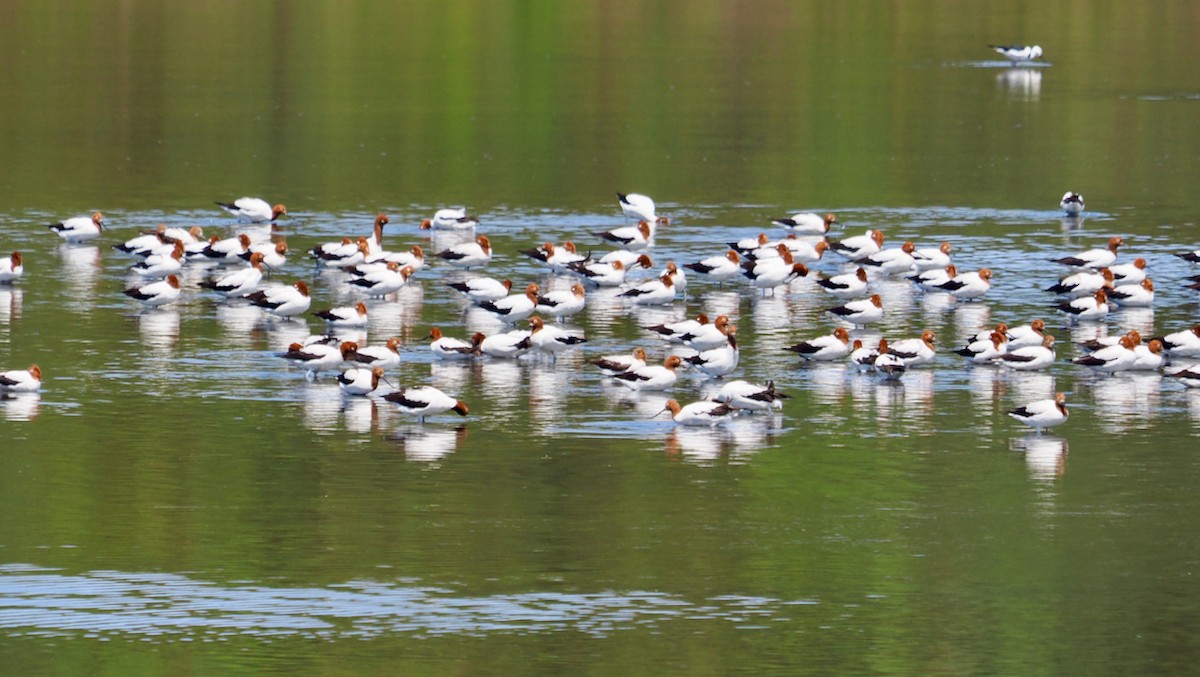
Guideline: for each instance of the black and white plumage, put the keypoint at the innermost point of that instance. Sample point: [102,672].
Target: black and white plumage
[360,381]
[452,218]
[704,412]
[425,401]
[633,238]
[1184,343]
[750,396]
[345,316]
[848,284]
[861,311]
[253,210]
[80,228]
[640,208]
[611,365]
[1043,414]
[650,376]
[719,268]
[239,282]
[318,357]
[449,347]
[283,301]
[21,380]
[1018,53]
[1071,203]
[1094,258]
[822,348]
[11,268]
[386,356]
[480,289]
[1093,307]
[551,339]
[514,307]
[468,254]
[807,223]
[158,293]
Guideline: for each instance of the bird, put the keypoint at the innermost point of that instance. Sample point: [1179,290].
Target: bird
[1149,356]
[746,245]
[602,274]
[1184,343]
[650,376]
[347,253]
[704,412]
[1071,203]
[1094,344]
[1094,258]
[414,257]
[240,282]
[708,336]
[678,279]
[318,357]
[932,279]
[558,259]
[253,210]
[562,303]
[985,350]
[386,356]
[807,223]
[381,283]
[551,339]
[359,380]
[479,289]
[1093,307]
[823,348]
[142,244]
[969,286]
[859,246]
[611,365]
[1083,283]
[449,347]
[508,345]
[160,266]
[931,258]
[655,292]
[21,380]
[1043,414]
[345,316]
[640,208]
[719,361]
[11,268]
[1129,273]
[514,307]
[80,228]
[425,401]
[1192,256]
[801,251]
[1111,359]
[1031,334]
[225,250]
[1018,53]
[1188,376]
[889,365]
[718,268]
[683,330]
[860,311]
[863,357]
[157,293]
[468,254]
[1134,295]
[775,276]
[915,351]
[847,285]
[283,301]
[744,395]
[1030,358]
[274,253]
[629,237]
[452,218]
[889,262]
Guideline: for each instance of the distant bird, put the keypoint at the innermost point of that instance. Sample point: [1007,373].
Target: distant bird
[468,254]
[240,282]
[1018,53]
[611,365]
[931,258]
[704,412]
[969,286]
[640,208]
[1093,307]
[1134,295]
[21,381]
[859,246]
[359,380]
[345,316]
[1071,203]
[551,339]
[425,401]
[283,301]
[750,396]
[808,223]
[386,356]
[1030,358]
[514,307]
[860,311]
[455,218]
[157,293]
[449,347]
[1043,414]
[253,210]
[828,347]
[80,228]
[650,376]
[11,268]
[718,268]
[1094,258]
[480,289]
[629,237]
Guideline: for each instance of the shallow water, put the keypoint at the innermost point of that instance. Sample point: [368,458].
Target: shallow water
[177,499]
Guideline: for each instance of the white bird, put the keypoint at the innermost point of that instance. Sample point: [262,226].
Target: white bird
[930,280]
[187,236]
[551,339]
[1188,376]
[142,244]
[253,210]
[857,247]
[283,301]
[633,238]
[509,345]
[887,262]
[656,292]
[345,254]
[413,257]
[359,380]
[775,276]
[157,293]
[1184,343]
[21,380]
[1092,345]
[1030,358]
[889,365]
[274,253]
[80,228]
[678,279]
[709,336]
[604,274]
[860,311]
[425,401]
[1093,307]
[1134,295]
[318,357]
[1083,283]
[651,376]
[1149,356]
[386,356]
[640,208]
[468,254]
[514,307]
[612,365]
[801,251]
[1129,273]
[1094,258]
[717,362]
[1071,203]
[558,259]
[345,316]
[1192,256]
[847,285]
[1018,53]
[562,303]
[916,351]
[226,250]
[823,348]
[1111,359]
[454,218]
[1032,334]
[391,279]
[683,330]
[750,396]
[11,268]
[239,282]
[480,289]
[930,258]
[986,349]
[863,357]
[749,244]
[159,265]
[968,286]
[719,268]
[807,223]
[704,412]
[1043,413]
[449,347]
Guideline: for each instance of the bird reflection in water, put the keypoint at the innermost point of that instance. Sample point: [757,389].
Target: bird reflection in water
[1127,400]
[10,303]
[20,406]
[81,266]
[1045,456]
[1021,83]
[428,444]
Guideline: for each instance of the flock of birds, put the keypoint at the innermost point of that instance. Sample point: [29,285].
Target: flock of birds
[1096,282]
